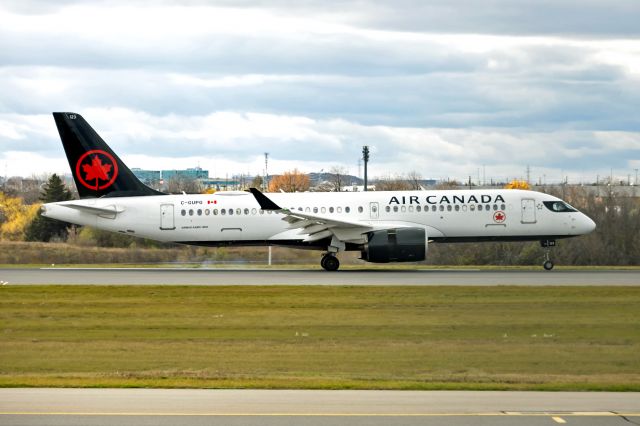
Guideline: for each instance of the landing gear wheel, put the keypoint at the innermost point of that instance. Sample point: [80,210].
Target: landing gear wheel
[330,263]
[547,245]
[548,265]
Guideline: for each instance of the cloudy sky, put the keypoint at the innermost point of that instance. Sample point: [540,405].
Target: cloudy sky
[442,87]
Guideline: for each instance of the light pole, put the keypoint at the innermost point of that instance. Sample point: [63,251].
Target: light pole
[365,158]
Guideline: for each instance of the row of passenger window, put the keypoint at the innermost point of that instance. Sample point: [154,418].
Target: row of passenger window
[449,207]
[403,209]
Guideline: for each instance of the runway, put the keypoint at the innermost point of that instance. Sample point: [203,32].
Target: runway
[294,407]
[170,276]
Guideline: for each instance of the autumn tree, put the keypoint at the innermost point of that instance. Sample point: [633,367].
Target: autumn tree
[338,178]
[395,183]
[42,228]
[291,181]
[15,216]
[180,184]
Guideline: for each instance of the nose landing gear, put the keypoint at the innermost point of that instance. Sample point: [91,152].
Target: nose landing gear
[330,262]
[547,245]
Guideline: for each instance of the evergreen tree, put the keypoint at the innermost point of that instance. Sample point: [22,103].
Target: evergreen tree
[43,228]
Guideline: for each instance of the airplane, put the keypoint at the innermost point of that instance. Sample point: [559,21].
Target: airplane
[384,226]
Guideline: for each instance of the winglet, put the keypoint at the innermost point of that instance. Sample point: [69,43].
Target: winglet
[263,200]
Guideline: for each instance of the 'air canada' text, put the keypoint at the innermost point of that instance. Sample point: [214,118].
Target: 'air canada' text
[447,199]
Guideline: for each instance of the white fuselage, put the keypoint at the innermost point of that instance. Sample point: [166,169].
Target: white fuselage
[236,218]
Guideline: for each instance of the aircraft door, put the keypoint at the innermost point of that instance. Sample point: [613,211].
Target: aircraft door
[166,217]
[373,210]
[528,210]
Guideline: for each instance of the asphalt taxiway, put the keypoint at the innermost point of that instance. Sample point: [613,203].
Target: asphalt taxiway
[309,407]
[202,276]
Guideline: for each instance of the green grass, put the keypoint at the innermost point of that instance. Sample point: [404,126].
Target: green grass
[546,338]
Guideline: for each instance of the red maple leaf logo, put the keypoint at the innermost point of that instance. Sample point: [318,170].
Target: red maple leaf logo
[96,170]
[499,217]
[99,168]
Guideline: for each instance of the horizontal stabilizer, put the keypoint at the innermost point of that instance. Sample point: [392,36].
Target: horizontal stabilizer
[102,211]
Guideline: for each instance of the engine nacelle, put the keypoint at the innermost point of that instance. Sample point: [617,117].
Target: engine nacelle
[396,245]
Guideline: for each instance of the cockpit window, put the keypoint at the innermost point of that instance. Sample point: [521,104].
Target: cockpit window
[559,207]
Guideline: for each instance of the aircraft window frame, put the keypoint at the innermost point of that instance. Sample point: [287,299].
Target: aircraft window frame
[323,209]
[495,207]
[338,209]
[315,210]
[464,207]
[347,209]
[261,211]
[441,208]
[207,212]
[410,209]
[479,207]
[230,212]
[457,207]
[387,209]
[503,207]
[434,208]
[360,209]
[449,208]
[183,212]
[254,211]
[215,212]
[472,207]
[307,210]
[418,209]
[190,212]
[330,209]
[246,212]
[487,207]
[199,212]
[565,208]
[395,209]
[403,209]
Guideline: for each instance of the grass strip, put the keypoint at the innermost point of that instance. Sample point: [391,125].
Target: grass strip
[414,337]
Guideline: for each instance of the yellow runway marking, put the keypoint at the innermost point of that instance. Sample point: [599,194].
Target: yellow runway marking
[495,414]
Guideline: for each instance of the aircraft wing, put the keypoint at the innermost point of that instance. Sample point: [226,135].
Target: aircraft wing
[314,226]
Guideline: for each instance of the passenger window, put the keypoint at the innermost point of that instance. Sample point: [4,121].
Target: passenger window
[495,207]
[503,207]
[307,210]
[215,212]
[347,209]
[433,208]
[199,212]
[403,209]
[441,208]
[464,207]
[395,209]
[246,211]
[299,209]
[457,208]
[190,212]
[449,207]
[472,207]
[330,209]
[230,212]
[261,211]
[206,212]
[238,211]
[183,212]
[410,208]
[387,209]
[479,207]
[418,208]
[339,209]
[315,210]
[360,209]
[254,211]
[323,209]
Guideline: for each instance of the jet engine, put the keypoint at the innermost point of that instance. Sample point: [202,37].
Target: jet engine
[395,245]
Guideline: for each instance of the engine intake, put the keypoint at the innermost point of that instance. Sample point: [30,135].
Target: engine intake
[395,245]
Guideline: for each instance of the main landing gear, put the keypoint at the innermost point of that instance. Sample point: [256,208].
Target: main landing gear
[547,245]
[330,262]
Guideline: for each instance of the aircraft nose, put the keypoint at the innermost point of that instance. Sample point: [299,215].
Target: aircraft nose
[587,225]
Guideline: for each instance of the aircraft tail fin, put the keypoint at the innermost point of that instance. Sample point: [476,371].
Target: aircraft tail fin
[96,169]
